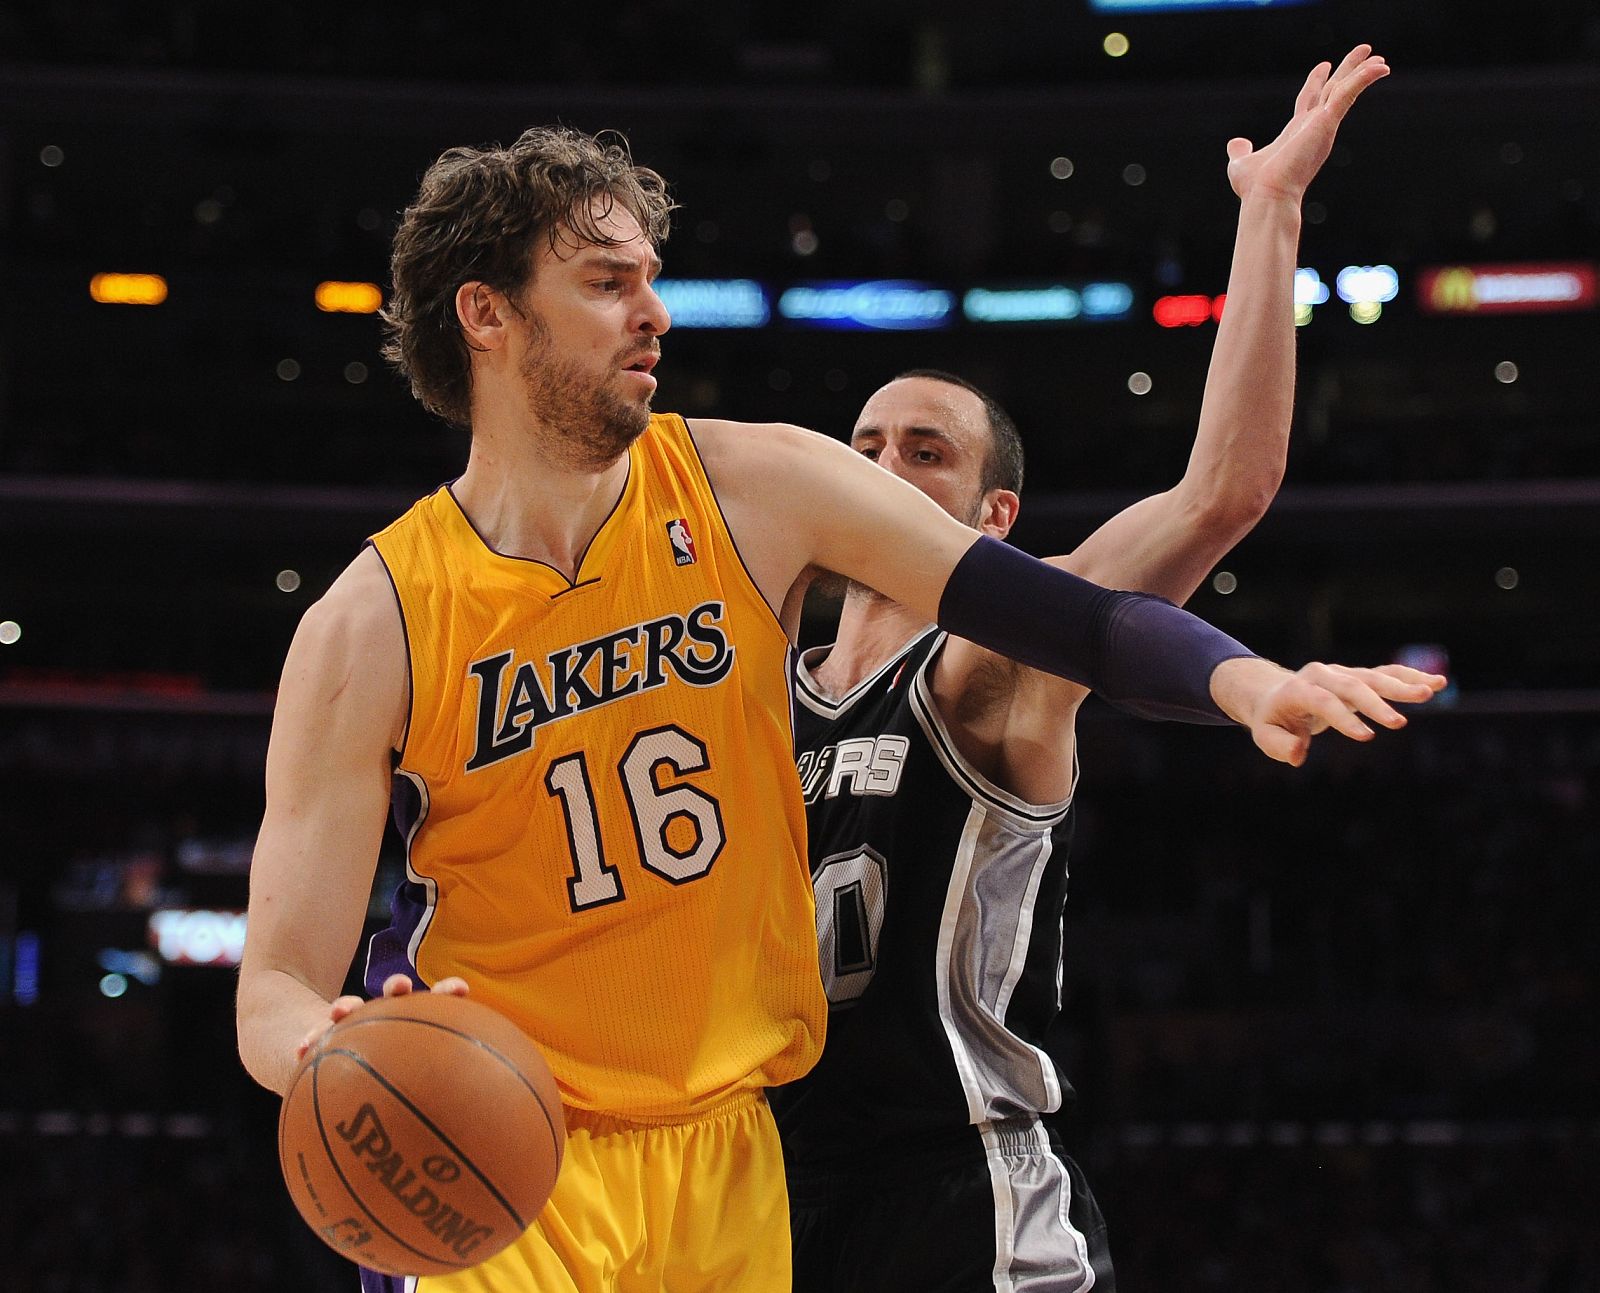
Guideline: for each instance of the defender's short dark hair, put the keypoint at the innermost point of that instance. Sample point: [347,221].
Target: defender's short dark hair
[1002,469]
[477,217]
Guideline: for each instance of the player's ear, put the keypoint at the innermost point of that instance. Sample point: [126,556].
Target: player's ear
[999,512]
[482,312]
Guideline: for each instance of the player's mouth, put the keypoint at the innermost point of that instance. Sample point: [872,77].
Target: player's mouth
[642,365]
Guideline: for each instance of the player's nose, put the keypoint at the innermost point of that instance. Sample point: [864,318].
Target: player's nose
[654,317]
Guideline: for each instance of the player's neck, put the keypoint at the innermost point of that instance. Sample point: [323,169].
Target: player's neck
[527,503]
[872,631]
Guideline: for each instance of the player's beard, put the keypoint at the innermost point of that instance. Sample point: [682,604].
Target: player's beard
[837,586]
[592,424]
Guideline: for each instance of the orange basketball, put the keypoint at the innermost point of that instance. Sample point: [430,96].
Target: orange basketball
[422,1135]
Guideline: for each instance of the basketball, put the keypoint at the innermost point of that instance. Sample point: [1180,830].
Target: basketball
[422,1135]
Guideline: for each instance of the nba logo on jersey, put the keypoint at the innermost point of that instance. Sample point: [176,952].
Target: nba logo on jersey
[682,541]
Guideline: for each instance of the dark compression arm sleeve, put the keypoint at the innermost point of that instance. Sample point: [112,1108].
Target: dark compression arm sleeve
[1141,653]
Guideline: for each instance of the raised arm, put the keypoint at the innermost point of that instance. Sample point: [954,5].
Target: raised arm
[341,707]
[1166,544]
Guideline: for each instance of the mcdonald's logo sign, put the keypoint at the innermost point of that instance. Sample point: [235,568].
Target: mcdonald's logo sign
[1506,289]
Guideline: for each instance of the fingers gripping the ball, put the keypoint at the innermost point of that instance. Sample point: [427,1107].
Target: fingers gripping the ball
[396,985]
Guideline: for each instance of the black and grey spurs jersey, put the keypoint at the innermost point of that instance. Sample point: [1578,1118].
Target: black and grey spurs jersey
[939,918]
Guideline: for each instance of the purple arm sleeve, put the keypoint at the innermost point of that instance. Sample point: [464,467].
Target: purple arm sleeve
[1141,653]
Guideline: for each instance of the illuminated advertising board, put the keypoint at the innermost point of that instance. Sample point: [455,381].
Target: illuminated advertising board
[197,937]
[872,305]
[714,302]
[1048,303]
[1506,289]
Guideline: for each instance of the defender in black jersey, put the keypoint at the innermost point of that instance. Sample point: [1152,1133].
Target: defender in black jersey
[938,780]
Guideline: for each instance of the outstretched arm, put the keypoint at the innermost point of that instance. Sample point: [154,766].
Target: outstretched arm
[1166,544]
[796,500]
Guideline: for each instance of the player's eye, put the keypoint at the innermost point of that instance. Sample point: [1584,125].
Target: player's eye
[870,453]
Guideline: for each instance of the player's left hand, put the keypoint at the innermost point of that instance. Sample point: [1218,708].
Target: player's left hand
[1286,713]
[1291,161]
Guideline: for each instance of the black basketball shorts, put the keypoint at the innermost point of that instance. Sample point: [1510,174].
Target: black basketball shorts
[1013,1214]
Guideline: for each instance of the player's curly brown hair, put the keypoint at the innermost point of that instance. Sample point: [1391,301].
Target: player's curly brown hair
[476,218]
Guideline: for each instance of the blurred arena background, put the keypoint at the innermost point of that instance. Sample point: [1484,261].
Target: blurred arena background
[1335,1028]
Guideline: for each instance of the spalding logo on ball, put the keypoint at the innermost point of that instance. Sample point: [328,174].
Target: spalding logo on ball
[421,1135]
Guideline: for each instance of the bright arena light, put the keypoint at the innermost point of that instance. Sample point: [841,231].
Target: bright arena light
[1367,283]
[10,632]
[1140,383]
[1115,44]
[1506,372]
[334,297]
[1309,292]
[128,289]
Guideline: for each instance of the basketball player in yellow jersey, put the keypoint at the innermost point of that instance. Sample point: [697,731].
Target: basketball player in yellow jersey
[576,685]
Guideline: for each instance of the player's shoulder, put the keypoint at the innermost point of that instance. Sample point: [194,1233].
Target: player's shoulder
[722,433]
[760,452]
[348,667]
[358,614]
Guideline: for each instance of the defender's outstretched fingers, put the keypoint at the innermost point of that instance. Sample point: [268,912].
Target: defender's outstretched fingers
[1343,94]
[1311,92]
[1354,59]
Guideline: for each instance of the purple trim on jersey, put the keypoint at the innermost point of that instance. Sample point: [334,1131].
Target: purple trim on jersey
[389,952]
[373,1282]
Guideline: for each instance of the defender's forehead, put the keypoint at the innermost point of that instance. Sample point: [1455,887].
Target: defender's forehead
[912,403]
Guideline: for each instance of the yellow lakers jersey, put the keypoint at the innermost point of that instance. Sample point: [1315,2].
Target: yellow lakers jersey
[605,835]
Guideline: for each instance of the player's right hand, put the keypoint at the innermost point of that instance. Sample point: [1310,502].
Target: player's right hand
[396,985]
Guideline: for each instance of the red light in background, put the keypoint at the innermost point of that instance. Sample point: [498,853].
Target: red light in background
[1183,311]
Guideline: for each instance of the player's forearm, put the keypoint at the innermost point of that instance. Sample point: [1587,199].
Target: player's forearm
[275,1013]
[1243,436]
[1138,652]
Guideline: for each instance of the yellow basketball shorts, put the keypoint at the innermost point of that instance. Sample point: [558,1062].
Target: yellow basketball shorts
[695,1207]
